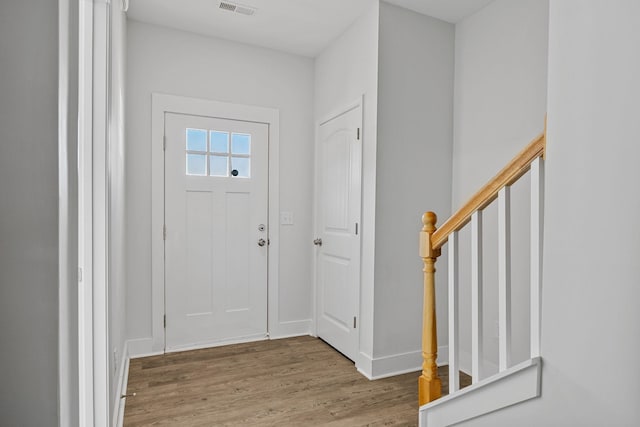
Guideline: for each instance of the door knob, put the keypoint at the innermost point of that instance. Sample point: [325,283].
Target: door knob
[262,242]
[317,242]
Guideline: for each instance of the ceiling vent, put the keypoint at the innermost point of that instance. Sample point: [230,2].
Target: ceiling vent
[245,10]
[237,8]
[228,6]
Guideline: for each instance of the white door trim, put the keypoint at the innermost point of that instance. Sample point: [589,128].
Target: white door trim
[161,104]
[66,274]
[85,213]
[93,327]
[316,185]
[101,214]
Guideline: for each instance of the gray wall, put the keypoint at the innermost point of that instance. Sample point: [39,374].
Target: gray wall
[29,212]
[415,125]
[499,106]
[346,70]
[250,76]
[590,316]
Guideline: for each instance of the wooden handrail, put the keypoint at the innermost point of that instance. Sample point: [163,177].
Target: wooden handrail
[431,241]
[507,176]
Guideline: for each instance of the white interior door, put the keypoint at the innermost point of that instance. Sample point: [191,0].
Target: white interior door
[216,195]
[338,220]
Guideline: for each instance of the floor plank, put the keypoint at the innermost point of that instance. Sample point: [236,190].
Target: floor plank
[289,382]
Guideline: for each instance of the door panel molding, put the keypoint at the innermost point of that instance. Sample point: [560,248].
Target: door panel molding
[215,271]
[161,104]
[333,114]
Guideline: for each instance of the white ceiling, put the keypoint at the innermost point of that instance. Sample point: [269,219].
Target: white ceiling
[303,27]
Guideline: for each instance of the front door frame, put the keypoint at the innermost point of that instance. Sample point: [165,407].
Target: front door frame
[161,104]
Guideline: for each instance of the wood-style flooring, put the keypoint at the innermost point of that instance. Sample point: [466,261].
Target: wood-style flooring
[290,382]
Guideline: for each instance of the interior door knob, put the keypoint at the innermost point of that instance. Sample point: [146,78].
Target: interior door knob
[262,242]
[317,242]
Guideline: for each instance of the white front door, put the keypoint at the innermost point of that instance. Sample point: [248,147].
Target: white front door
[338,221]
[216,194]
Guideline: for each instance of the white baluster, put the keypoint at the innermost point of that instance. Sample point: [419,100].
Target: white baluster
[537,212]
[504,277]
[477,347]
[454,350]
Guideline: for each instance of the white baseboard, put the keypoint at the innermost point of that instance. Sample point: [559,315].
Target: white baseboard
[515,385]
[123,377]
[295,328]
[141,347]
[364,364]
[396,364]
[388,366]
[220,343]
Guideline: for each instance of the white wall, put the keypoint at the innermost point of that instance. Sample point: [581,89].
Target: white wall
[345,71]
[413,173]
[117,219]
[590,318]
[499,106]
[180,63]
[29,213]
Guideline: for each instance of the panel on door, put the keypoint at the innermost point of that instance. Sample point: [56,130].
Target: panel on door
[216,189]
[338,256]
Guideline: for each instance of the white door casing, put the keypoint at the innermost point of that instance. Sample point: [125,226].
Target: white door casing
[338,210]
[216,231]
[162,104]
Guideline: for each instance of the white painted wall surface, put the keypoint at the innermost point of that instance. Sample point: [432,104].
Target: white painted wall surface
[117,212]
[590,316]
[29,213]
[345,71]
[413,172]
[499,106]
[180,63]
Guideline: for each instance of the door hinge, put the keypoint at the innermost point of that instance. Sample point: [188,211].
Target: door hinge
[79,274]
[356,228]
[354,322]
[164,142]
[358,134]
[164,232]
[164,321]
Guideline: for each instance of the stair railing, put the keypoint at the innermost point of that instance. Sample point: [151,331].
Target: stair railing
[431,241]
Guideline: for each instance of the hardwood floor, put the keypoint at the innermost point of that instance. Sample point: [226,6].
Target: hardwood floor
[291,382]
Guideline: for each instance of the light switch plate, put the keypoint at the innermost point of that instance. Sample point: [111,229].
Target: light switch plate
[286,218]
